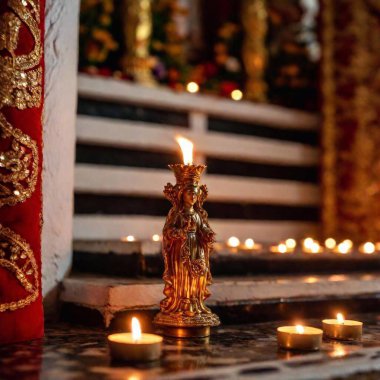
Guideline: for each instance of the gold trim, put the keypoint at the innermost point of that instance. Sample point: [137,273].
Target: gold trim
[21,79]
[17,257]
[18,165]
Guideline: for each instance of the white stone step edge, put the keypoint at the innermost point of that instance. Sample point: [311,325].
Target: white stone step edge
[110,296]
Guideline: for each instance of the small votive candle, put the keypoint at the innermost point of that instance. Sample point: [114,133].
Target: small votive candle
[281,248]
[367,248]
[251,245]
[135,346]
[342,329]
[301,338]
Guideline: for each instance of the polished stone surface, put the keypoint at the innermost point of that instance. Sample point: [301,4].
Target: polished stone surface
[240,351]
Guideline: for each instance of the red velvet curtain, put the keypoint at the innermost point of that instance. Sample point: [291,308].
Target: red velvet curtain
[21,102]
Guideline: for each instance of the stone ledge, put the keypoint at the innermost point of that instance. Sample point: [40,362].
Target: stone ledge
[111,295]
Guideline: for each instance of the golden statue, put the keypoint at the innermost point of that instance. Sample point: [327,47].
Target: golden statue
[254,19]
[187,243]
[137,32]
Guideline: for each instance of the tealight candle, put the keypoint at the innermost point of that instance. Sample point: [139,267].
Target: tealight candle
[302,338]
[281,248]
[251,245]
[135,346]
[368,248]
[342,329]
[291,244]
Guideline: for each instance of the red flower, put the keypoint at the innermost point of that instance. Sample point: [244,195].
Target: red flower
[210,69]
[226,87]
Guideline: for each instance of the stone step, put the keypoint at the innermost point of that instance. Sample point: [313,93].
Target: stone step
[143,259]
[261,297]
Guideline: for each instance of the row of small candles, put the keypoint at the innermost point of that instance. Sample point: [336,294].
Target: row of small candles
[308,245]
[139,347]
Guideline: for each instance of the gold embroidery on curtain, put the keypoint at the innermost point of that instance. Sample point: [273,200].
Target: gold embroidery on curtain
[21,87]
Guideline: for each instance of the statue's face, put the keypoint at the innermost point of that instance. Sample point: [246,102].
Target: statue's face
[190,196]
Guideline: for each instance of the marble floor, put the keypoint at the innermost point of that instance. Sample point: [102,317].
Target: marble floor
[232,352]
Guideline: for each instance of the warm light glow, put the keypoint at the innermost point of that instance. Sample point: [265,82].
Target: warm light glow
[236,95]
[233,242]
[290,243]
[249,243]
[129,238]
[311,280]
[282,248]
[192,87]
[330,243]
[187,150]
[340,318]
[300,329]
[156,237]
[344,247]
[348,243]
[368,248]
[136,329]
[315,247]
[308,243]
[339,351]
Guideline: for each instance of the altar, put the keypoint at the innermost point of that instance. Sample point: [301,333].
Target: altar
[189,189]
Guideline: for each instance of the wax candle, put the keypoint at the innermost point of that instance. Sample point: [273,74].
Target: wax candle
[250,245]
[342,329]
[280,248]
[135,346]
[368,248]
[302,338]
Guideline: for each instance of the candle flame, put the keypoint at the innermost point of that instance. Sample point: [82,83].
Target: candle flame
[249,243]
[300,329]
[340,318]
[136,329]
[308,243]
[187,150]
[233,242]
[282,248]
[369,248]
[330,243]
[290,243]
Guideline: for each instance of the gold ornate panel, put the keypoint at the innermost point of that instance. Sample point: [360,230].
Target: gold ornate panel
[17,257]
[18,165]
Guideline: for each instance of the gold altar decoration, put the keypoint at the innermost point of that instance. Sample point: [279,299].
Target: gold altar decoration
[351,101]
[187,243]
[137,34]
[254,19]
[21,88]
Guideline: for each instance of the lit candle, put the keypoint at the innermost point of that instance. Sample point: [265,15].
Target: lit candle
[302,338]
[187,150]
[330,243]
[251,245]
[135,346]
[129,238]
[233,242]
[156,237]
[280,248]
[307,244]
[344,247]
[291,244]
[368,248]
[342,329]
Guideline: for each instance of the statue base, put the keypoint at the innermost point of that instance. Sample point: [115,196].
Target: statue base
[180,326]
